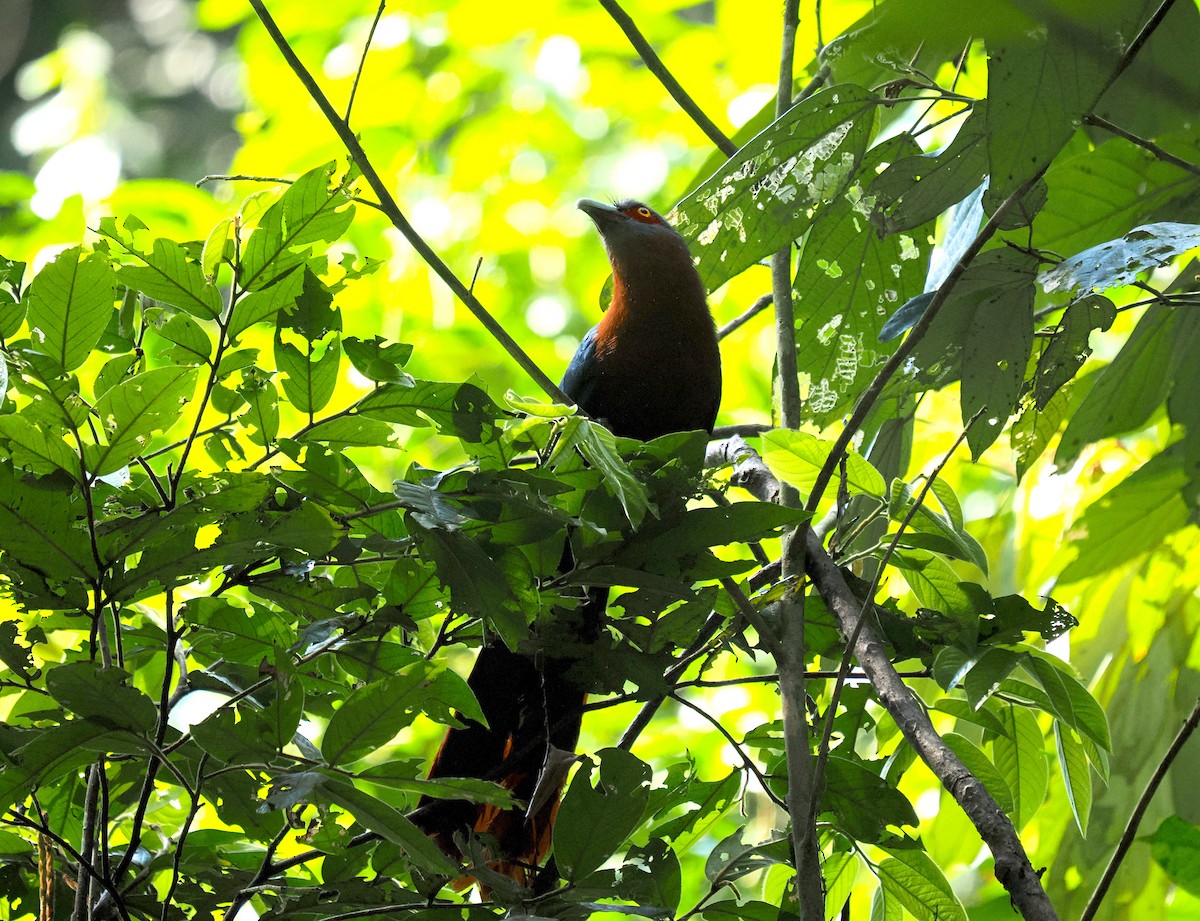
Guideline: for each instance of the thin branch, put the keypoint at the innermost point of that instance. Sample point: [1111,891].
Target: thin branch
[670,677]
[396,216]
[1139,812]
[1164,155]
[868,603]
[737,747]
[754,310]
[362,62]
[655,65]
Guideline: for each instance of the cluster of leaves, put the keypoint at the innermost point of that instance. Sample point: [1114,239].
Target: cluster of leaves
[268,571]
[316,612]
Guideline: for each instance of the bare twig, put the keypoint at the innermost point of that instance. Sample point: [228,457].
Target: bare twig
[396,216]
[738,322]
[1164,155]
[737,747]
[655,65]
[1139,812]
[362,62]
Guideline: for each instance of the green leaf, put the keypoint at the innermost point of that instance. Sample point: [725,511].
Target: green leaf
[765,195]
[350,431]
[979,674]
[215,247]
[1077,779]
[39,528]
[1175,846]
[477,585]
[69,305]
[1133,517]
[309,211]
[599,446]
[311,378]
[734,858]
[462,410]
[375,815]
[1134,384]
[1070,348]
[935,584]
[1041,84]
[136,408]
[839,872]
[700,528]
[979,764]
[916,189]
[797,458]
[261,416]
[1020,757]
[12,308]
[917,883]
[999,339]
[102,696]
[192,345]
[263,304]
[1073,705]
[372,715]
[862,802]
[960,543]
[593,821]
[379,360]
[166,274]
[849,282]
[33,449]
[1098,194]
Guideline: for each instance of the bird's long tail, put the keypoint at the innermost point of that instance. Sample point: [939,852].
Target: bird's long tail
[533,706]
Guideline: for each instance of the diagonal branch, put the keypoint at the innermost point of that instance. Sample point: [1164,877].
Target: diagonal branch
[1013,869]
[655,65]
[389,207]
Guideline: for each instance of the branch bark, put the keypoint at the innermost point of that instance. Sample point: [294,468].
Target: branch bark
[1013,869]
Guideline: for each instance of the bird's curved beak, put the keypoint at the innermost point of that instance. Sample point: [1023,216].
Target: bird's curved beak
[600,213]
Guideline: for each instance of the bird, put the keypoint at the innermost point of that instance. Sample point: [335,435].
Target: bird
[650,367]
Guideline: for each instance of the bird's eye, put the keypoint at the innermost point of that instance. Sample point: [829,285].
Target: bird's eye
[643,211]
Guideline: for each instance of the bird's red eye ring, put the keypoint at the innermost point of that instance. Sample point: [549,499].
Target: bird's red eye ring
[641,214]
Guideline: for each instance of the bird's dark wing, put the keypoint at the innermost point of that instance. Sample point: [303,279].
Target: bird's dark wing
[579,380]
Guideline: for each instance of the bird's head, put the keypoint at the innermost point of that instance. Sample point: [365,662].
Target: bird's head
[637,238]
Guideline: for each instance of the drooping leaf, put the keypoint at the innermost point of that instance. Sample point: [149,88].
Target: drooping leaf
[1020,757]
[1077,777]
[593,820]
[916,882]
